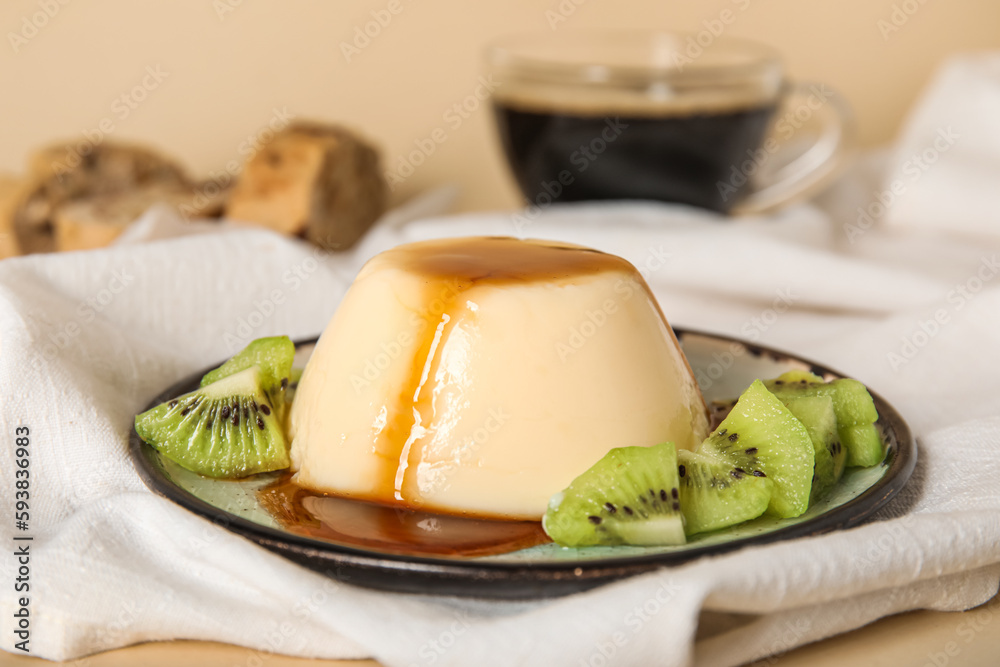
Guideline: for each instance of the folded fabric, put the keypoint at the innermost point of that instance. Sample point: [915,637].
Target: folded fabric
[946,164]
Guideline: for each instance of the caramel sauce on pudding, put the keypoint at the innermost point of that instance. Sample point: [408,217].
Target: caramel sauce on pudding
[393,529]
[452,269]
[502,259]
[475,325]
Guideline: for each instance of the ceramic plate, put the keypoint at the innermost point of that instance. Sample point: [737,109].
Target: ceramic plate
[723,366]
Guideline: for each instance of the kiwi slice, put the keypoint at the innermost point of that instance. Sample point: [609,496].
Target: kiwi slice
[273,356]
[760,437]
[853,406]
[795,376]
[630,496]
[714,495]
[817,415]
[225,429]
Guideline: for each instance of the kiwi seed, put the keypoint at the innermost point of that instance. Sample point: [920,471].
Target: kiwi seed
[715,494]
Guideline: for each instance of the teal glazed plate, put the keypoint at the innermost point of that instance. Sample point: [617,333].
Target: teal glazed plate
[723,366]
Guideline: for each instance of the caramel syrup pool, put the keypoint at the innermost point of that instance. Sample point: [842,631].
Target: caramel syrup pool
[399,530]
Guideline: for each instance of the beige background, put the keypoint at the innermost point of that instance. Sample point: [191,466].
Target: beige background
[229,63]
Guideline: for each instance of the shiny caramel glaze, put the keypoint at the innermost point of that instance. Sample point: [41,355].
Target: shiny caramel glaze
[438,281]
[502,259]
[393,529]
[453,266]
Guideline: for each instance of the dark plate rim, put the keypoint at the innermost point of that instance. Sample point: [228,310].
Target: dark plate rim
[901,462]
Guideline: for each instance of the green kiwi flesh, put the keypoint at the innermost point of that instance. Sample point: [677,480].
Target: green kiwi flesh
[630,496]
[853,406]
[273,356]
[227,429]
[761,437]
[817,415]
[714,495]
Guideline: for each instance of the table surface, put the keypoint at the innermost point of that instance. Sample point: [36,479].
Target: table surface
[969,639]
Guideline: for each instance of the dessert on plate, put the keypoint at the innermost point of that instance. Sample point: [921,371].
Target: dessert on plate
[482,375]
[500,379]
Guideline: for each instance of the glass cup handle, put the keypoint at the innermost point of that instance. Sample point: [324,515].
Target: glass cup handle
[789,172]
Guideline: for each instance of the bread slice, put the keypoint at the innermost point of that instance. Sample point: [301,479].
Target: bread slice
[85,224]
[61,174]
[317,181]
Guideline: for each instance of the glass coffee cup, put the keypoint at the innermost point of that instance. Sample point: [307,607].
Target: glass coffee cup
[663,116]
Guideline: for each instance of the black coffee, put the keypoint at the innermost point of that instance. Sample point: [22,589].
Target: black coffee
[686,158]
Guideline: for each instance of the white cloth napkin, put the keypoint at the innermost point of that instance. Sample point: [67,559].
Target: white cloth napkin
[950,143]
[87,339]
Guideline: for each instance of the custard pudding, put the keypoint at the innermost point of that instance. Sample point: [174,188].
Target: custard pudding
[479,376]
